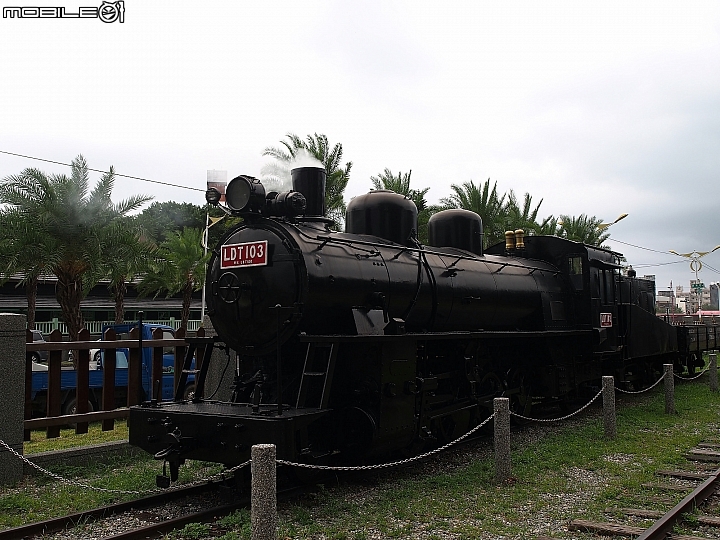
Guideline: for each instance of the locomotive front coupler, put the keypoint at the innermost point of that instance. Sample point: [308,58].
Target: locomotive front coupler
[172,455]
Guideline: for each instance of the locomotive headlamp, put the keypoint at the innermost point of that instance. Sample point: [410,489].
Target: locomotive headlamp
[245,193]
[212,196]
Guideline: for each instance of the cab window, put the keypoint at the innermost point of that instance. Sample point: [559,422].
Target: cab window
[575,266]
[575,271]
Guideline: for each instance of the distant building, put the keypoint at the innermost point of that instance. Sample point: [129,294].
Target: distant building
[97,306]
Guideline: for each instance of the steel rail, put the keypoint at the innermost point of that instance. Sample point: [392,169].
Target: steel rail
[155,530]
[663,526]
[60,523]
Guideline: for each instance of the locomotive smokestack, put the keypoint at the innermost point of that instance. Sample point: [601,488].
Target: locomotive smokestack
[310,181]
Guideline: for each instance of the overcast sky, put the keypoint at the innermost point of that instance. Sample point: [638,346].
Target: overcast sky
[598,108]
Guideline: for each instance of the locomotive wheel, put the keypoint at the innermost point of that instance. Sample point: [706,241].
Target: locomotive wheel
[491,386]
[453,425]
[638,376]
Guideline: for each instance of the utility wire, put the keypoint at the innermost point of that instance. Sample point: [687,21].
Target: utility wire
[647,265]
[104,172]
[638,247]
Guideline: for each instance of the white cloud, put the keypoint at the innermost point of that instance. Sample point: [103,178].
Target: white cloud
[597,108]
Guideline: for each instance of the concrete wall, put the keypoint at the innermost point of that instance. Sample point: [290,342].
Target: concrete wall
[12,390]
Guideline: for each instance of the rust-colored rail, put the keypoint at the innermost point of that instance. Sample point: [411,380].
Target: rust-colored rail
[60,523]
[664,525]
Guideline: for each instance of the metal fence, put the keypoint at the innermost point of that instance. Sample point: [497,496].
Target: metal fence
[95,327]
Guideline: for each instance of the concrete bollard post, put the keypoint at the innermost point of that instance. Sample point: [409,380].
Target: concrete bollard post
[609,418]
[713,373]
[12,390]
[669,389]
[501,408]
[263,496]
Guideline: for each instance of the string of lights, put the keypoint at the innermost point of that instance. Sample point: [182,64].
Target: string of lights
[104,172]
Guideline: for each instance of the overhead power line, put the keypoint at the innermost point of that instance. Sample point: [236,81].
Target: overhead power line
[104,172]
[638,247]
[648,265]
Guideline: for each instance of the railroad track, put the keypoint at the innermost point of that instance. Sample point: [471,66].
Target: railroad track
[665,522]
[153,524]
[61,523]
[148,513]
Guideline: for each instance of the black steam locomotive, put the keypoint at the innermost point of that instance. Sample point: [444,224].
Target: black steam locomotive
[354,345]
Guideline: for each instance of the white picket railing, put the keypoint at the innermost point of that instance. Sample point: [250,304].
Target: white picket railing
[95,327]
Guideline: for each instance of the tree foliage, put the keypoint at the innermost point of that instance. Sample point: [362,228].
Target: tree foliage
[338,175]
[485,202]
[178,267]
[161,219]
[583,229]
[401,184]
[79,226]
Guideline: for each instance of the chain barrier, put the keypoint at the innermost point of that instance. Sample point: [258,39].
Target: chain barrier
[692,378]
[216,476]
[549,420]
[67,480]
[221,475]
[662,377]
[392,463]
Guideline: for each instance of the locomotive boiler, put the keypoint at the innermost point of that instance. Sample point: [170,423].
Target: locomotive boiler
[359,344]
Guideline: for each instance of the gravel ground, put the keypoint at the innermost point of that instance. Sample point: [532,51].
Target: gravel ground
[134,519]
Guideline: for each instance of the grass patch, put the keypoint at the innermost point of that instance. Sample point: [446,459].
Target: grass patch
[42,497]
[69,439]
[569,471]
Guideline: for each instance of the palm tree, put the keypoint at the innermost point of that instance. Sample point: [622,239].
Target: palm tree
[484,201]
[129,259]
[549,226]
[401,184]
[79,227]
[337,175]
[582,229]
[178,267]
[23,250]
[522,218]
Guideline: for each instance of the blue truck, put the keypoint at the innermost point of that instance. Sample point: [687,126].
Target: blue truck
[68,375]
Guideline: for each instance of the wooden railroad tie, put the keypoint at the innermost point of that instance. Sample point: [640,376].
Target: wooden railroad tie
[584,525]
[683,475]
[668,487]
[702,519]
[703,454]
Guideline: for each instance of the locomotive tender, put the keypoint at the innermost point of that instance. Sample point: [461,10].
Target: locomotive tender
[354,345]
